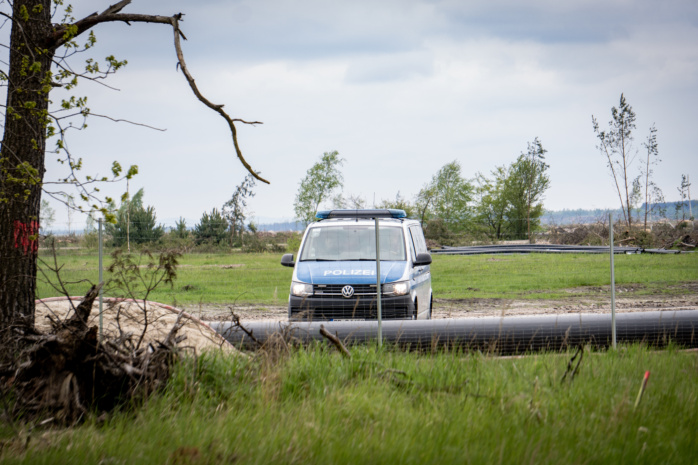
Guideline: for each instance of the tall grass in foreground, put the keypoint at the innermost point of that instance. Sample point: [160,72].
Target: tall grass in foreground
[313,406]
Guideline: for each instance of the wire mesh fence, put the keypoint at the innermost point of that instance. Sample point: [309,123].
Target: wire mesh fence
[512,335]
[241,273]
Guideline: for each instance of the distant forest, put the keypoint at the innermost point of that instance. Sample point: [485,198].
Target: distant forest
[285,226]
[669,210]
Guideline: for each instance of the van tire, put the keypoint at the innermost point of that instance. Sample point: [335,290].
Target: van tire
[431,306]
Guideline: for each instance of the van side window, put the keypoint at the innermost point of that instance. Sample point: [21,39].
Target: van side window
[420,244]
[413,246]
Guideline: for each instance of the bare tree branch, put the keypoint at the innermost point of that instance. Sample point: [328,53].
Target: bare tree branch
[116,7]
[117,120]
[216,108]
[111,14]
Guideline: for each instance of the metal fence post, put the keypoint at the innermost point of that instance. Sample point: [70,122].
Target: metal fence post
[613,283]
[100,279]
[378,285]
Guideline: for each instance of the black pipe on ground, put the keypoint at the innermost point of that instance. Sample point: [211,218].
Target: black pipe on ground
[505,335]
[543,248]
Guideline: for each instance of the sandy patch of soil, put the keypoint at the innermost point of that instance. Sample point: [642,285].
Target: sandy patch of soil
[120,316]
[505,307]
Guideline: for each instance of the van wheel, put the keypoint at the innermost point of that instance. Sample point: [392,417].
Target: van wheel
[415,313]
[431,306]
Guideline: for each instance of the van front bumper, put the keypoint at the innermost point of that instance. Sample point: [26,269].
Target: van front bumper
[314,308]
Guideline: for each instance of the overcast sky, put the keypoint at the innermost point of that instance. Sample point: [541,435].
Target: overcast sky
[399,88]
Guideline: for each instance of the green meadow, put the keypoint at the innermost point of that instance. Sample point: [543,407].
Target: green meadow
[260,279]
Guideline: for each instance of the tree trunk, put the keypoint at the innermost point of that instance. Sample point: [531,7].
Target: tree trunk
[625,179]
[22,158]
[33,43]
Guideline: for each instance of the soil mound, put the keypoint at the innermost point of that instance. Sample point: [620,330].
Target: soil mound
[150,320]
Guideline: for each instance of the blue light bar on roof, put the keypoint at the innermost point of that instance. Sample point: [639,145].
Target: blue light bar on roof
[391,213]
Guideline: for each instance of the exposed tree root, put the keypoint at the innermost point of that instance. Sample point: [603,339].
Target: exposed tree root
[67,372]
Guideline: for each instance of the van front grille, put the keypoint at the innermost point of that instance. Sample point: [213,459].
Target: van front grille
[325,290]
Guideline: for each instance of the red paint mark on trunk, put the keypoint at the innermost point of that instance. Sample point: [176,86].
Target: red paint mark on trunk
[27,236]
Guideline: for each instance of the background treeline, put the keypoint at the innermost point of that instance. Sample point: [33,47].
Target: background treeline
[136,226]
[562,217]
[454,209]
[662,211]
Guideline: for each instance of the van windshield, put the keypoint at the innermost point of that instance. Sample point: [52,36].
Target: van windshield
[353,242]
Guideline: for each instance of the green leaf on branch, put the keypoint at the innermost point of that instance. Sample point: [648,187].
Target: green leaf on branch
[132,171]
[116,169]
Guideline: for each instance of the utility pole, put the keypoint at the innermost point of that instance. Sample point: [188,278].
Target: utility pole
[688,187]
[613,282]
[128,218]
[378,284]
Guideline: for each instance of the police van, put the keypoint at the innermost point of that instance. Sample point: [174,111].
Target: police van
[334,277]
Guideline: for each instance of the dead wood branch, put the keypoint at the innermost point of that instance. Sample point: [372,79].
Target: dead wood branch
[171,339]
[205,101]
[335,340]
[237,324]
[82,312]
[113,14]
[573,372]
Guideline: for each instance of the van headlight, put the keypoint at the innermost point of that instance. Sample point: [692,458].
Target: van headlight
[301,289]
[396,288]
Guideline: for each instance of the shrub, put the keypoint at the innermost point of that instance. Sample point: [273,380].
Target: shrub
[293,243]
[211,229]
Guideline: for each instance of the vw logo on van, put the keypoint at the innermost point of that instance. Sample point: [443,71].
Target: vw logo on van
[347,291]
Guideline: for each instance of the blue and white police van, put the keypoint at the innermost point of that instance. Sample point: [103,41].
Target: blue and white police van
[334,277]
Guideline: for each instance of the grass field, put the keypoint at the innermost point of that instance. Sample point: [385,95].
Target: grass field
[388,406]
[385,406]
[260,279]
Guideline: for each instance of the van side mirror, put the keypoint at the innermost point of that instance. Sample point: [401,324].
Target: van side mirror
[287,260]
[422,259]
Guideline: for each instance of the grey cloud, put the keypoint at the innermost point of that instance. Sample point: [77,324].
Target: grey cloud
[550,21]
[399,67]
[259,31]
[307,30]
